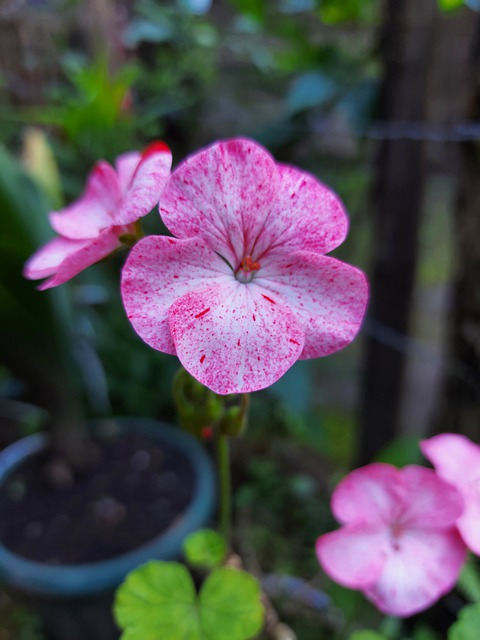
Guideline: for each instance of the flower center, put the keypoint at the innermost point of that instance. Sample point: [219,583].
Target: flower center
[396,531]
[246,270]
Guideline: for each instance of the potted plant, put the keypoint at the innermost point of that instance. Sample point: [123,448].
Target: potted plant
[34,544]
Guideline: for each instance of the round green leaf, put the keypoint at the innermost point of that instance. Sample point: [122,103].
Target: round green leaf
[230,605]
[205,548]
[158,600]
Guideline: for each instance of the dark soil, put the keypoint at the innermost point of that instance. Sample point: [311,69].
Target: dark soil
[136,489]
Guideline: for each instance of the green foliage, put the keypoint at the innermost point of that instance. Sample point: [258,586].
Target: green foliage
[181,65]
[422,632]
[158,600]
[401,451]
[366,634]
[93,109]
[469,580]
[32,320]
[335,11]
[450,5]
[467,625]
[205,549]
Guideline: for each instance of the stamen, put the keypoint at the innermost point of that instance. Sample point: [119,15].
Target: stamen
[246,270]
[247,265]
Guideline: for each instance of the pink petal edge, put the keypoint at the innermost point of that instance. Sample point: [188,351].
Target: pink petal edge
[328,296]
[158,271]
[94,211]
[85,254]
[306,215]
[354,555]
[426,567]
[226,334]
[222,194]
[147,184]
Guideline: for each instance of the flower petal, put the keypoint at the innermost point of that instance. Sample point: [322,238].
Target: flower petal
[306,215]
[425,566]
[147,184]
[457,460]
[159,270]
[125,166]
[63,258]
[328,296]
[431,503]
[47,259]
[222,194]
[353,555]
[455,457]
[233,338]
[94,211]
[373,493]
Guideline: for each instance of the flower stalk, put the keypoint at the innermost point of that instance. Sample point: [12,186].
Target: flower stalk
[225,487]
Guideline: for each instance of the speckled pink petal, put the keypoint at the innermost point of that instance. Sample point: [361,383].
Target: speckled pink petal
[223,194]
[423,567]
[47,259]
[328,296]
[354,555]
[158,271]
[374,493]
[235,338]
[63,258]
[94,210]
[306,215]
[125,166]
[147,184]
[431,503]
[457,460]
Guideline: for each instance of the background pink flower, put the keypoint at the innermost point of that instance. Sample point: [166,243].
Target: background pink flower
[91,227]
[399,544]
[457,460]
[244,289]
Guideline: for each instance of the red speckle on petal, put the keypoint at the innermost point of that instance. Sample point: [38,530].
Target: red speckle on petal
[202,313]
[254,318]
[238,342]
[171,241]
[269,299]
[202,359]
[293,341]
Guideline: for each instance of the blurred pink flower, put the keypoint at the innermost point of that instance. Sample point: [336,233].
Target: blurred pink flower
[399,544]
[244,289]
[91,227]
[457,460]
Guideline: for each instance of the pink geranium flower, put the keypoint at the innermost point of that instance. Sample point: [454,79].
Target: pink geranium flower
[399,544]
[91,228]
[457,460]
[244,289]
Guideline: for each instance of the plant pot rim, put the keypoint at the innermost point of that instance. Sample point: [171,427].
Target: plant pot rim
[94,577]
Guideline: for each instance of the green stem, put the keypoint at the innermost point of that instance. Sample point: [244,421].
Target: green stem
[223,458]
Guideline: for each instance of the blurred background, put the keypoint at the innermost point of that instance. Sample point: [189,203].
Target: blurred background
[378,99]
